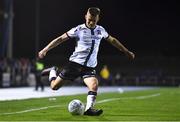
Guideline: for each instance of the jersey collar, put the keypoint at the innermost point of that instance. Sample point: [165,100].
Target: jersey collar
[90,28]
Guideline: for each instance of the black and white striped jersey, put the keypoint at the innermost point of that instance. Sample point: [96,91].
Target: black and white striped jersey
[88,41]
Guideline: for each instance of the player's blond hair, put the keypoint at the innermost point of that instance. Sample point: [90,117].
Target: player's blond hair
[94,11]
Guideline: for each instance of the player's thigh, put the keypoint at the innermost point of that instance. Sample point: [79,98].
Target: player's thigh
[92,83]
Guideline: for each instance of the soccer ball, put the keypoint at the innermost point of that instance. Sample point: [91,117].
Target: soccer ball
[76,107]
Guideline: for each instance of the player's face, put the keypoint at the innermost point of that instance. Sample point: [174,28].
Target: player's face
[91,21]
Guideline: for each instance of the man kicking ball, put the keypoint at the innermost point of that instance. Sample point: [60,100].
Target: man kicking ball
[84,59]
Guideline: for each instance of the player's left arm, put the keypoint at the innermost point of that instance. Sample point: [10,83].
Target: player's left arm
[120,46]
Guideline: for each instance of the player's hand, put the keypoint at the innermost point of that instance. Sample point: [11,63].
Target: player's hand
[42,54]
[130,55]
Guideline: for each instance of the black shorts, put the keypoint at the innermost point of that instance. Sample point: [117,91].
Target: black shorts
[73,70]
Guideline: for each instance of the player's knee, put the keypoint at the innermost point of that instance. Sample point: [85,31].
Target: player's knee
[94,86]
[54,87]
[92,83]
[56,84]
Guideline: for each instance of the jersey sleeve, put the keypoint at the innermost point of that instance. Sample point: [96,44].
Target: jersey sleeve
[72,33]
[105,34]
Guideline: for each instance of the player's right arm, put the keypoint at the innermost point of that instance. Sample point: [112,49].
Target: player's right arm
[53,44]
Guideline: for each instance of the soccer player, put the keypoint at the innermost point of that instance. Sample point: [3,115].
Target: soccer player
[84,59]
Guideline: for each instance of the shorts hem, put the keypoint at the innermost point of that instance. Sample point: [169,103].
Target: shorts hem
[62,77]
[87,76]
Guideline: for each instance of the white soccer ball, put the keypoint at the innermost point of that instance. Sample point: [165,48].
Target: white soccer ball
[76,107]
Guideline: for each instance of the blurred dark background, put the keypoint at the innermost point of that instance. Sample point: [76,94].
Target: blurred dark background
[148,28]
[145,27]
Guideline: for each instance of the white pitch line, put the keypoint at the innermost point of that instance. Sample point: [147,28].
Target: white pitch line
[139,97]
[30,110]
[144,97]
[98,102]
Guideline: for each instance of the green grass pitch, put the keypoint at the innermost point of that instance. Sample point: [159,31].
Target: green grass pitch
[159,104]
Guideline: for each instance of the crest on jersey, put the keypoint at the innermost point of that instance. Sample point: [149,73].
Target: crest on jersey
[98,32]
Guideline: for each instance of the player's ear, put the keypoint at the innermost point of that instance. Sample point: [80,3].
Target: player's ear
[98,18]
[85,16]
